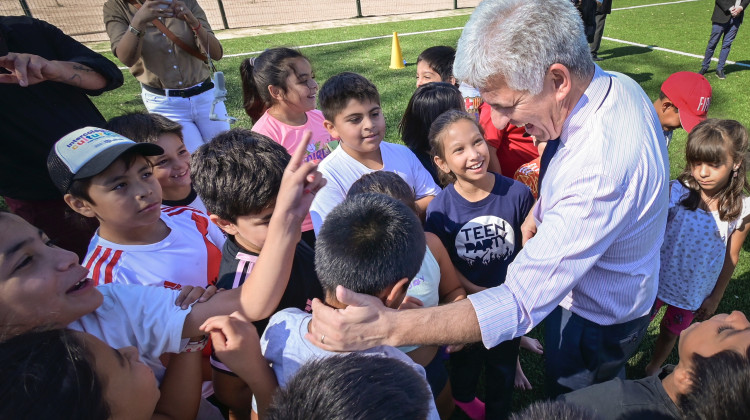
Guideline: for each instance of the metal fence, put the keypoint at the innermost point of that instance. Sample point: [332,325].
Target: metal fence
[82,19]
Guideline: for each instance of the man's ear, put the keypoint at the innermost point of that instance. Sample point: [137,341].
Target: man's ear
[561,79]
[79,205]
[331,129]
[225,225]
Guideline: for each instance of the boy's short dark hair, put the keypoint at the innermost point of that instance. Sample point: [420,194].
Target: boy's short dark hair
[720,387]
[353,387]
[440,59]
[368,243]
[339,89]
[143,127]
[238,173]
[388,183]
[554,410]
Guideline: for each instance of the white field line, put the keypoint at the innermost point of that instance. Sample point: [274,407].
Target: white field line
[651,47]
[655,4]
[351,41]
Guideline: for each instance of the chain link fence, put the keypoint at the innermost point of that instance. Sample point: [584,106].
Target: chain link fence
[82,19]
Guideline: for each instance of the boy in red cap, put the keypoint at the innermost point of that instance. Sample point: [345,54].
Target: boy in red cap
[683,102]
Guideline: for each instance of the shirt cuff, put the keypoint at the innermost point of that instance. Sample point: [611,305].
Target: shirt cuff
[497,313]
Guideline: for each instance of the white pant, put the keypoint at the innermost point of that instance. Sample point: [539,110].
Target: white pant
[192,113]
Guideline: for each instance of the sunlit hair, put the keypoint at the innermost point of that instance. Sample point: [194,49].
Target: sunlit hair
[388,183]
[270,68]
[709,143]
[427,102]
[720,387]
[49,375]
[518,40]
[437,138]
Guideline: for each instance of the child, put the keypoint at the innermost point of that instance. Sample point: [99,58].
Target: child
[107,176]
[172,168]
[242,163]
[510,147]
[478,218]
[282,80]
[333,388]
[435,64]
[80,377]
[435,283]
[706,227]
[351,106]
[372,244]
[425,105]
[43,286]
[717,348]
[683,102]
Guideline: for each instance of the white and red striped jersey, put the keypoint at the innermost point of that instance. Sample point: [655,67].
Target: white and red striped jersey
[189,255]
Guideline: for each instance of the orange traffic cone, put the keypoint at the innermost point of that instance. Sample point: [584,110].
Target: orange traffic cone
[397,60]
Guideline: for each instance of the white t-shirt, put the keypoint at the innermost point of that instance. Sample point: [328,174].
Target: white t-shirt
[342,170]
[144,317]
[189,255]
[425,286]
[286,349]
[692,255]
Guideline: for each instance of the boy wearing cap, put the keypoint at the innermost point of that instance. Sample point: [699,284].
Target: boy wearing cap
[107,176]
[683,102]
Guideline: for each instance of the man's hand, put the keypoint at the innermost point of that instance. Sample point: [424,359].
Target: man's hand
[360,326]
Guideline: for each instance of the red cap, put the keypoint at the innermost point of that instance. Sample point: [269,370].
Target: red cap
[691,94]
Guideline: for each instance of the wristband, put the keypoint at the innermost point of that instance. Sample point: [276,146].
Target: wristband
[195,346]
[197,27]
[137,33]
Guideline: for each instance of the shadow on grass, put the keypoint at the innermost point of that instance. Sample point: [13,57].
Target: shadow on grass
[733,68]
[624,51]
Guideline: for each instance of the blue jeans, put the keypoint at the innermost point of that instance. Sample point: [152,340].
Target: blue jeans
[579,352]
[729,32]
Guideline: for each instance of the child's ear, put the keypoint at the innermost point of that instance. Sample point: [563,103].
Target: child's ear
[666,104]
[440,163]
[396,294]
[79,205]
[683,379]
[276,92]
[331,129]
[225,225]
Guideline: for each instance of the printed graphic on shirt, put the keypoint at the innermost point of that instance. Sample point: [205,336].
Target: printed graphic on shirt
[320,149]
[484,239]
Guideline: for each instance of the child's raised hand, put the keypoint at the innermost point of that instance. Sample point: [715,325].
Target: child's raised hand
[234,339]
[300,183]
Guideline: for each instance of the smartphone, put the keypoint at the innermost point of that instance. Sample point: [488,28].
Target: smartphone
[164,6]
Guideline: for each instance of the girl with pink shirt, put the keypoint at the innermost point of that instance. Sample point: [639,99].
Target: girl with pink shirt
[279,92]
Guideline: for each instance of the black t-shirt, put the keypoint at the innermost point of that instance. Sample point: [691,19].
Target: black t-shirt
[35,117]
[641,399]
[303,286]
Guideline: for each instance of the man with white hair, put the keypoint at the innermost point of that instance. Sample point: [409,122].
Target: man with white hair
[593,262]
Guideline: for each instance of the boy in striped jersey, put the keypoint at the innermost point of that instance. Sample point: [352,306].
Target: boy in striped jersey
[107,176]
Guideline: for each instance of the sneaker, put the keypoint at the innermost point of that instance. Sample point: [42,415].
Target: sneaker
[720,74]
[703,71]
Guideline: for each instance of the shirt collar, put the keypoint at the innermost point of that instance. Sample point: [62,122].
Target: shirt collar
[590,101]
